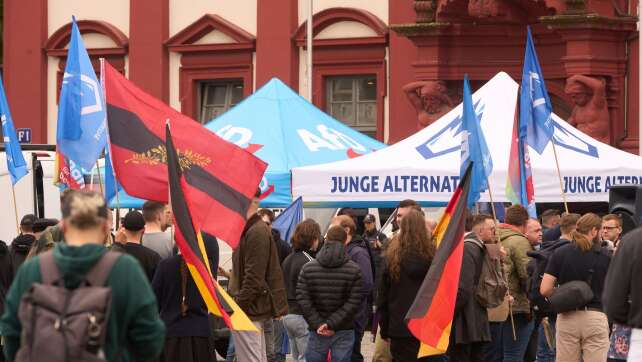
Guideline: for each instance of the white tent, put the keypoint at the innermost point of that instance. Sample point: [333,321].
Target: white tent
[425,166]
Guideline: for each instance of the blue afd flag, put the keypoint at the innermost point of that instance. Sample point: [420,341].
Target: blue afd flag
[15,161]
[473,149]
[81,134]
[111,185]
[535,122]
[287,221]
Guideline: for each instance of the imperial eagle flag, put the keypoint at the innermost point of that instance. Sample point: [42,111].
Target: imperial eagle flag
[190,242]
[221,177]
[430,317]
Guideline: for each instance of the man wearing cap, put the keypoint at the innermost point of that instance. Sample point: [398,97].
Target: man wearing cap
[133,229]
[21,245]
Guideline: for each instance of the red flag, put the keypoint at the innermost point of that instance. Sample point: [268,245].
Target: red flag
[431,315]
[221,177]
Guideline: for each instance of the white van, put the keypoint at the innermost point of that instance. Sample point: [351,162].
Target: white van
[34,194]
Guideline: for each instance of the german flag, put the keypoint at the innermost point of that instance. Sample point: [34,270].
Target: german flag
[221,177]
[430,317]
[190,243]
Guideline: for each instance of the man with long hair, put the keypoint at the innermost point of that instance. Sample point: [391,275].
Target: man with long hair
[584,332]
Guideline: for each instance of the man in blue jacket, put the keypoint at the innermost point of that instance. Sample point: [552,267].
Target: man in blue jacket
[358,252]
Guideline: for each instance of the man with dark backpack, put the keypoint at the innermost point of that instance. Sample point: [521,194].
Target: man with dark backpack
[544,315]
[80,302]
[480,287]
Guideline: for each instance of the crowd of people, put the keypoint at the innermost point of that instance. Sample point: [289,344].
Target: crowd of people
[73,290]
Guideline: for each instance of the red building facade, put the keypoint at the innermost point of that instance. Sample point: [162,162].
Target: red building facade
[205,58]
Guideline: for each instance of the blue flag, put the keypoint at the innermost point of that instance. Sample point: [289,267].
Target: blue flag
[535,122]
[111,185]
[15,161]
[82,132]
[473,149]
[287,221]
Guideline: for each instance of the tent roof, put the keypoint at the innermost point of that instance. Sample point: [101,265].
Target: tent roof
[425,166]
[288,131]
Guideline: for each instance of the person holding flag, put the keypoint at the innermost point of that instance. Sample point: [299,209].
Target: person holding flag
[81,135]
[533,128]
[432,314]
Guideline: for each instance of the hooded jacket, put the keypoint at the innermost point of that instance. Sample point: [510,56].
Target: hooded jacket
[20,247]
[396,296]
[257,285]
[330,289]
[517,247]
[133,318]
[357,250]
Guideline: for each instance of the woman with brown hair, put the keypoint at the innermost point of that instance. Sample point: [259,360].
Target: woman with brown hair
[305,239]
[582,333]
[407,260]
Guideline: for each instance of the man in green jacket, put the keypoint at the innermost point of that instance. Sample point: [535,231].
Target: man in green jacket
[511,235]
[134,328]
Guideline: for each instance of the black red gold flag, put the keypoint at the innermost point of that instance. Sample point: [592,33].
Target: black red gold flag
[430,317]
[222,177]
[190,242]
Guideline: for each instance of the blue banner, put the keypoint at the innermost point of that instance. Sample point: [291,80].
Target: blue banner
[82,132]
[15,161]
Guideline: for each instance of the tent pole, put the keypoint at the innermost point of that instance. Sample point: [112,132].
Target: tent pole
[559,176]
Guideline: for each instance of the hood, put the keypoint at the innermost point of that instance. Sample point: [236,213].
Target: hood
[506,231]
[75,261]
[22,244]
[357,240]
[547,248]
[3,248]
[332,255]
[415,267]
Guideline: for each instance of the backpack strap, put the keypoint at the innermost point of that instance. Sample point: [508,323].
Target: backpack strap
[97,275]
[48,268]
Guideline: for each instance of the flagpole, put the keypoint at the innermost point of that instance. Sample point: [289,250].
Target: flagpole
[100,179]
[492,207]
[559,176]
[15,206]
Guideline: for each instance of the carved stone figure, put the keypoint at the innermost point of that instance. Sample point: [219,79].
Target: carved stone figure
[590,114]
[430,99]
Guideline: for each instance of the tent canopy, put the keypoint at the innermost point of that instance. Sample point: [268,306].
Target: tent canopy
[425,166]
[287,131]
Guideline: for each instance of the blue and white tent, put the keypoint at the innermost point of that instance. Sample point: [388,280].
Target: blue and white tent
[287,131]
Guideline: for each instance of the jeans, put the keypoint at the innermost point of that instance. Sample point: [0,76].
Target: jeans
[230,350]
[356,349]
[279,336]
[514,350]
[340,346]
[493,350]
[268,332]
[297,329]
[544,352]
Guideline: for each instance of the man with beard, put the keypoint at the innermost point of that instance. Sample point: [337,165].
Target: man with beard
[357,251]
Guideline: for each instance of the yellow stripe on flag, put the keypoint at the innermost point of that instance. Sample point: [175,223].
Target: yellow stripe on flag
[240,321]
[441,348]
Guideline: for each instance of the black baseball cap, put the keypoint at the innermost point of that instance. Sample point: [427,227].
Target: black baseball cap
[28,220]
[134,221]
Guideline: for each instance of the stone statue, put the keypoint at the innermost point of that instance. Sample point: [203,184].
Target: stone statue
[430,99]
[590,114]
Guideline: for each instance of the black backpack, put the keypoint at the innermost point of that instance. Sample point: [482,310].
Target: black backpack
[535,270]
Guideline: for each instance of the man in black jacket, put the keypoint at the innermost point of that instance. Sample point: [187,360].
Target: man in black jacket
[21,245]
[622,296]
[471,329]
[329,293]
